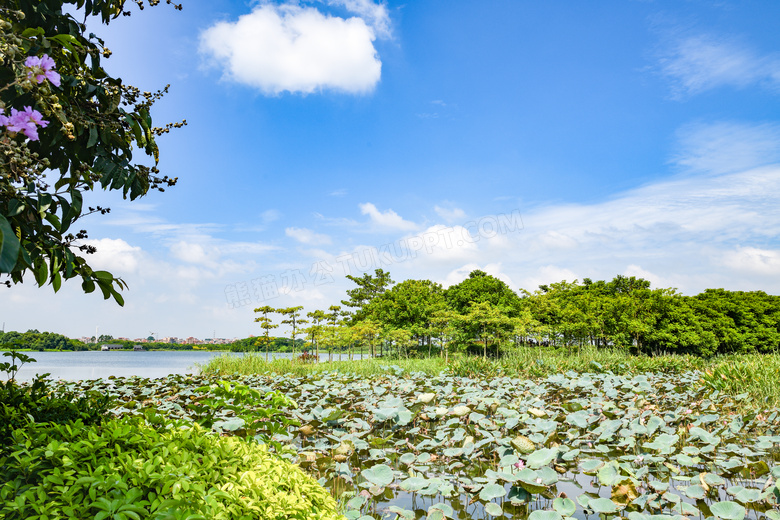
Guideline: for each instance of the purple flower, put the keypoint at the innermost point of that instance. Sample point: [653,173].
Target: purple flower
[42,68]
[26,122]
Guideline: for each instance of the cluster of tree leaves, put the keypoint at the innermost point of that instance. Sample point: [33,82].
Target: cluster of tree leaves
[482,313]
[95,124]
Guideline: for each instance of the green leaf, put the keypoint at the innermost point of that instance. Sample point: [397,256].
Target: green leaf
[564,506]
[544,515]
[602,505]
[541,457]
[494,509]
[492,491]
[379,475]
[9,246]
[728,510]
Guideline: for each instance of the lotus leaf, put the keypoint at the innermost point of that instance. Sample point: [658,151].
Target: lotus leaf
[624,491]
[748,495]
[379,475]
[446,509]
[609,473]
[602,505]
[695,492]
[544,515]
[564,506]
[492,491]
[541,457]
[402,513]
[728,510]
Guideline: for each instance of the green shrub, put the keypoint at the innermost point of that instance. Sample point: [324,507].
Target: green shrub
[125,469]
[38,403]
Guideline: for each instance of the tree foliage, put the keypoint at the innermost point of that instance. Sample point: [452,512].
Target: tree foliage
[82,133]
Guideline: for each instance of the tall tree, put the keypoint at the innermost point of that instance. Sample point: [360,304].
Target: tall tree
[293,320]
[315,330]
[68,127]
[409,305]
[368,288]
[266,325]
[481,287]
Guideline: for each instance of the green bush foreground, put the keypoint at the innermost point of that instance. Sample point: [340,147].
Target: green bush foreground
[125,469]
[62,457]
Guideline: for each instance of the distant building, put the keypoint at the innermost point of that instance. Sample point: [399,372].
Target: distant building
[137,348]
[110,347]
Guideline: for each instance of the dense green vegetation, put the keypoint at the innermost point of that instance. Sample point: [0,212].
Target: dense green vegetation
[63,455]
[400,444]
[483,315]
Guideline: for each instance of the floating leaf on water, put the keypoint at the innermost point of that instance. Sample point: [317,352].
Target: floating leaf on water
[357,501]
[609,473]
[711,479]
[659,487]
[695,492]
[402,513]
[591,465]
[544,515]
[773,514]
[578,419]
[602,505]
[436,514]
[686,509]
[624,491]
[445,508]
[379,475]
[413,484]
[492,491]
[541,457]
[748,495]
[728,510]
[493,509]
[564,506]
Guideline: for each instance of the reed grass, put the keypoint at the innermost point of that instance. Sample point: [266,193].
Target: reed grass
[757,375]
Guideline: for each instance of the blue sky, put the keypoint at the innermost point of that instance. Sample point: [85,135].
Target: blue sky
[538,141]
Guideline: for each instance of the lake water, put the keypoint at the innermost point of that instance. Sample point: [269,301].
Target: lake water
[97,364]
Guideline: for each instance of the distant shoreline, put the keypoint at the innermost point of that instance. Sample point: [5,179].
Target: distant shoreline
[113,350]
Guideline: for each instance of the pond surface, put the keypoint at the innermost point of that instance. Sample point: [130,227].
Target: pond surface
[92,364]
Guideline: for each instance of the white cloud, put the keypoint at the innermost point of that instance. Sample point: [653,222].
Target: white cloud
[374,14]
[699,63]
[727,146]
[548,274]
[115,256]
[389,220]
[307,236]
[450,215]
[297,49]
[754,260]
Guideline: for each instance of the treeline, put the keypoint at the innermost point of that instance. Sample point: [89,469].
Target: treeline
[32,339]
[35,340]
[482,315]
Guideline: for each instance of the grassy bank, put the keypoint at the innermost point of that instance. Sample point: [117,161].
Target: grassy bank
[756,375]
